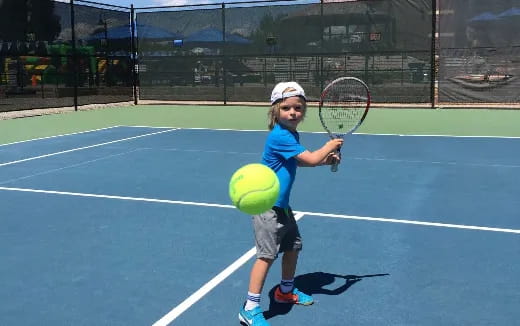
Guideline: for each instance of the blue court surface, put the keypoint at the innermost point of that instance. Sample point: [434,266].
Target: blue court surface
[133,226]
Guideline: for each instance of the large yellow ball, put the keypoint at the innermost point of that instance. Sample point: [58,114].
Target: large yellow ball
[254,188]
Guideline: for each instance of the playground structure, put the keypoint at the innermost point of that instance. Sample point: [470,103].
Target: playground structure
[32,74]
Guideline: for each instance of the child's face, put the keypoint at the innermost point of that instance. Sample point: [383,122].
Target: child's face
[292,111]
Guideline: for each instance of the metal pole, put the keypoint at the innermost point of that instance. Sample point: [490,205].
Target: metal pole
[74,55]
[107,72]
[224,61]
[133,51]
[321,75]
[433,74]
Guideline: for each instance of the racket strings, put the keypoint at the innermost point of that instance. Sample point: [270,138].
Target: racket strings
[344,106]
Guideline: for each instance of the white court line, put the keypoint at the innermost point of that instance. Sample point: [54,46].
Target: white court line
[391,220]
[433,162]
[151,127]
[375,159]
[206,288]
[55,136]
[150,200]
[351,217]
[447,136]
[324,132]
[85,147]
[68,166]
[173,149]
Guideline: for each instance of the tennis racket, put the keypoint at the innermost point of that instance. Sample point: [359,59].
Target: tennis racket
[344,104]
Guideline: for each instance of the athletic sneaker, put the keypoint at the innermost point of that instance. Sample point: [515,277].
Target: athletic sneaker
[253,317]
[294,297]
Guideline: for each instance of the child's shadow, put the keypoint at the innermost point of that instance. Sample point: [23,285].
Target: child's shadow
[313,283]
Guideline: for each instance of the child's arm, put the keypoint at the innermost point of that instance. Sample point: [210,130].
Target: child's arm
[320,156]
[329,160]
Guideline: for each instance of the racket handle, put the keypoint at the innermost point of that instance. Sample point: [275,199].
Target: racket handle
[334,166]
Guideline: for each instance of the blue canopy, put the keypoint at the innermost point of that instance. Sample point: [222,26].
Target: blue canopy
[487,16]
[509,13]
[142,31]
[212,35]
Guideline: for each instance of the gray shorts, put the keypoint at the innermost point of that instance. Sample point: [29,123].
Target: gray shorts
[275,232]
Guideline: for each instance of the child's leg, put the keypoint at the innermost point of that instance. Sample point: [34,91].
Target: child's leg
[291,246]
[267,247]
[286,292]
[258,274]
[289,261]
[256,282]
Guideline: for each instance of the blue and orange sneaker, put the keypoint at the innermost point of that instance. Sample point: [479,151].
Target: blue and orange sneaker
[294,297]
[253,317]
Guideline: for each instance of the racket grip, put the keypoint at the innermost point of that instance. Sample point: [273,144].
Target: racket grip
[334,166]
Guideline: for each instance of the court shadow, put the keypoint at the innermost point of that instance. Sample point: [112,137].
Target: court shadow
[314,283]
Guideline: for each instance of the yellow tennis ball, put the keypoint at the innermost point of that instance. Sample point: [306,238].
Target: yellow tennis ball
[254,188]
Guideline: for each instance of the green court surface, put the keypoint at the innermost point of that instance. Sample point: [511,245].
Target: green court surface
[460,122]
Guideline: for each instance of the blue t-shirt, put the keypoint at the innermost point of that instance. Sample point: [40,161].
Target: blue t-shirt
[281,147]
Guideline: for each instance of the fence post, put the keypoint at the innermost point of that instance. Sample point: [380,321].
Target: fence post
[133,51]
[433,75]
[321,74]
[74,56]
[224,60]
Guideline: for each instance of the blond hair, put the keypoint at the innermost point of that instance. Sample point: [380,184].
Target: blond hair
[274,112]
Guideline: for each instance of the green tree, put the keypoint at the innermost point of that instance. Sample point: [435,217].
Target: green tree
[23,19]
[44,23]
[13,20]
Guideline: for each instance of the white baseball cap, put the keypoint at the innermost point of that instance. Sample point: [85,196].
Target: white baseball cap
[278,91]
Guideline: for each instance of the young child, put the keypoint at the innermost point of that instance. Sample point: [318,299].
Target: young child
[276,230]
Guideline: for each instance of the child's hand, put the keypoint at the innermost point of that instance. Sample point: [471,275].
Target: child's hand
[332,158]
[334,144]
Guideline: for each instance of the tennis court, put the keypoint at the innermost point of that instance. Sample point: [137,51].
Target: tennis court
[120,216]
[121,123]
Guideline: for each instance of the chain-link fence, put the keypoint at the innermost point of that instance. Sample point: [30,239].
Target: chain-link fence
[55,54]
[237,52]
[479,51]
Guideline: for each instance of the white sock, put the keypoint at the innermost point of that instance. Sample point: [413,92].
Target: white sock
[287,286]
[253,301]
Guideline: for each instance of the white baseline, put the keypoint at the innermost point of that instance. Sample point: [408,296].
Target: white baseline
[324,132]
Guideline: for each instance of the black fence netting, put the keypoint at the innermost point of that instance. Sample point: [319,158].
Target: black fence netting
[104,62]
[30,58]
[479,55]
[41,66]
[237,52]
[180,52]
[58,54]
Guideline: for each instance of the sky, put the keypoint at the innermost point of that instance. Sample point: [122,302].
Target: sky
[152,3]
